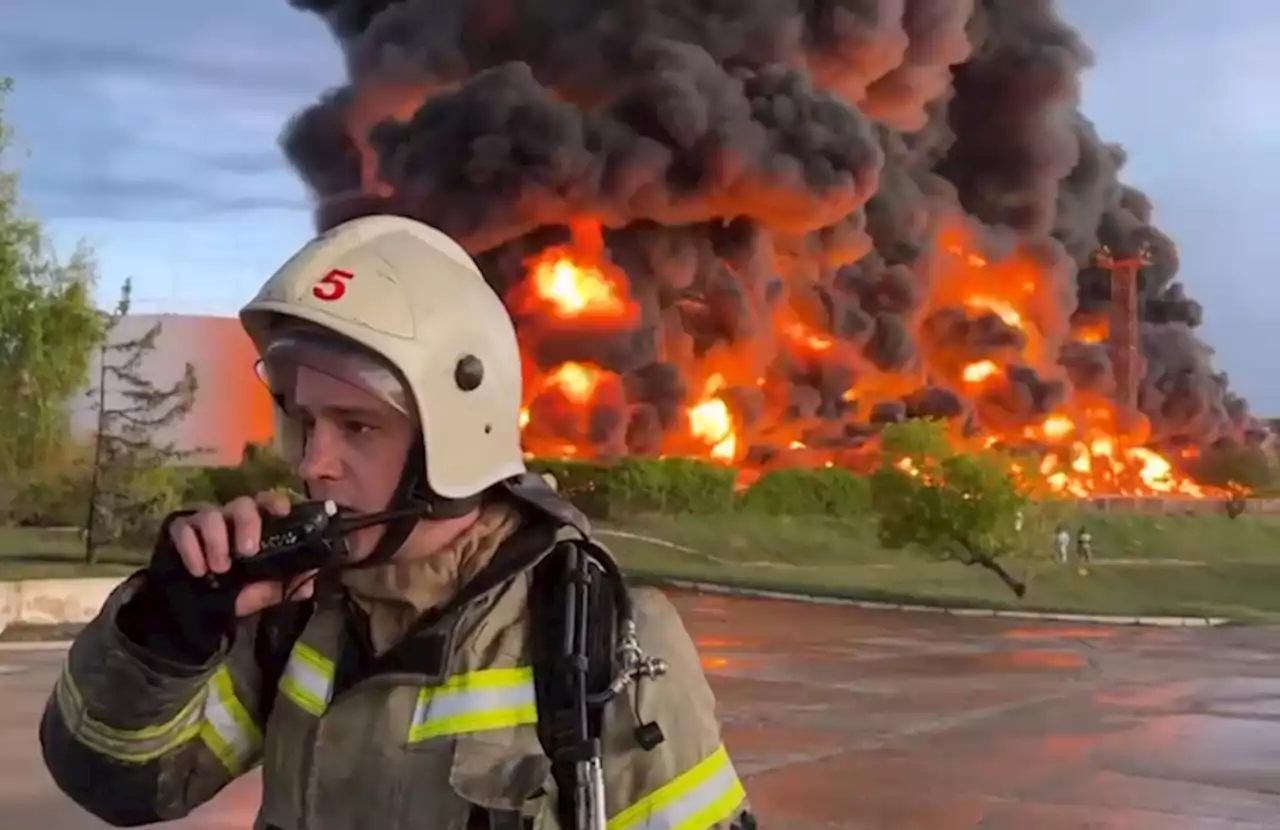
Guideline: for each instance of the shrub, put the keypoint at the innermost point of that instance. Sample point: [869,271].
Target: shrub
[131,502]
[131,511]
[671,485]
[260,468]
[642,485]
[580,482]
[58,496]
[825,491]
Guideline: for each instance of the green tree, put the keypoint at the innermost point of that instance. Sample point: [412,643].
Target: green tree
[134,483]
[1234,467]
[954,504]
[48,330]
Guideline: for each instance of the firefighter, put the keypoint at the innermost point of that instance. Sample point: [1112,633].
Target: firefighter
[401,691]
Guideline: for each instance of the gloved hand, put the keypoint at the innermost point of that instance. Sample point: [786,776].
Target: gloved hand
[182,612]
[176,615]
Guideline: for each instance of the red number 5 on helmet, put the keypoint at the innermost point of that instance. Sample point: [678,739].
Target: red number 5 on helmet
[332,285]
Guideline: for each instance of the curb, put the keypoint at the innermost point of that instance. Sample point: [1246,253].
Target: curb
[1049,616]
[35,645]
[64,601]
[53,601]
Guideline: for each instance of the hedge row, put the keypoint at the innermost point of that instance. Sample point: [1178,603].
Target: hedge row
[602,491]
[628,486]
[676,485]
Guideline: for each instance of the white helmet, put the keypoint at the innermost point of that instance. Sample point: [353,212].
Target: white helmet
[414,298]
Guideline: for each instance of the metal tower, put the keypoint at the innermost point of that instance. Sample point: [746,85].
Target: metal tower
[1126,358]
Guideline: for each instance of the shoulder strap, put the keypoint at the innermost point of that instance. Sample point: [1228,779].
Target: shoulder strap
[279,627]
[548,600]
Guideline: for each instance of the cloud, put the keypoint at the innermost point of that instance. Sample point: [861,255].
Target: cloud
[107,197]
[50,58]
[151,110]
[241,162]
[235,44]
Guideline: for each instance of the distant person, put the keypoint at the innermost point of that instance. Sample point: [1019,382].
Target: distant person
[1061,545]
[423,684]
[1084,545]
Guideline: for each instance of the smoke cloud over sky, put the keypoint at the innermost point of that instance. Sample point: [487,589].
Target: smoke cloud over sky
[152,130]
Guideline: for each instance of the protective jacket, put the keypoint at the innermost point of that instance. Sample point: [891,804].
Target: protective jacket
[439,731]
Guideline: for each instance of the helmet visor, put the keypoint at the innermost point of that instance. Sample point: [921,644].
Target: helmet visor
[334,356]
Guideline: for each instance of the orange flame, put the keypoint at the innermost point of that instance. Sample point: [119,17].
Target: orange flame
[980,371]
[576,282]
[575,286]
[579,408]
[712,422]
[575,291]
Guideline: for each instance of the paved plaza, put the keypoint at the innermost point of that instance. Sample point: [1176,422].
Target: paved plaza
[852,719]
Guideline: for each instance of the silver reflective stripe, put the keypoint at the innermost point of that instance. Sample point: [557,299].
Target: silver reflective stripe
[308,679]
[474,702]
[699,799]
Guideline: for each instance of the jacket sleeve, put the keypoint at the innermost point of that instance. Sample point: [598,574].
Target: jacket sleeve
[688,780]
[136,739]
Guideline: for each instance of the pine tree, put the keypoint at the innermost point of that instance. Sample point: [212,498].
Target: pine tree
[132,415]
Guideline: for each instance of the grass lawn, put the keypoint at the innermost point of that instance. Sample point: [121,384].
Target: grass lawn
[1149,565]
[32,553]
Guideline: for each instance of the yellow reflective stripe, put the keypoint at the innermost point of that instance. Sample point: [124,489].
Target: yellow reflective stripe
[227,728]
[213,713]
[130,745]
[696,800]
[177,722]
[475,702]
[308,679]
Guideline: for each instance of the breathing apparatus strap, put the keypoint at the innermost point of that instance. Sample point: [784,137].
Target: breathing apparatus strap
[570,595]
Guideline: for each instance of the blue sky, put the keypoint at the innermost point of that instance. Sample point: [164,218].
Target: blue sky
[152,125]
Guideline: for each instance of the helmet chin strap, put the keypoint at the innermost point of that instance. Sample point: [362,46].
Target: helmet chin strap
[412,502]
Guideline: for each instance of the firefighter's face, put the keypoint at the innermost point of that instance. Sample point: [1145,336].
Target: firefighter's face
[356,447]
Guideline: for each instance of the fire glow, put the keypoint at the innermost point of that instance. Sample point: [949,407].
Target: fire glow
[1079,453]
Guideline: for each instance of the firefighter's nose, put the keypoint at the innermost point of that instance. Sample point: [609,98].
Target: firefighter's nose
[320,458]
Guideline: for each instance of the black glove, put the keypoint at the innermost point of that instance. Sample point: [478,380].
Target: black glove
[174,615]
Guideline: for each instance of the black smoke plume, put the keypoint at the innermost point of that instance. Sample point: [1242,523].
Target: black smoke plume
[734,147]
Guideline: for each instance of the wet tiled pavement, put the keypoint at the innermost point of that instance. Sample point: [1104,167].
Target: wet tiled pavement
[849,719]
